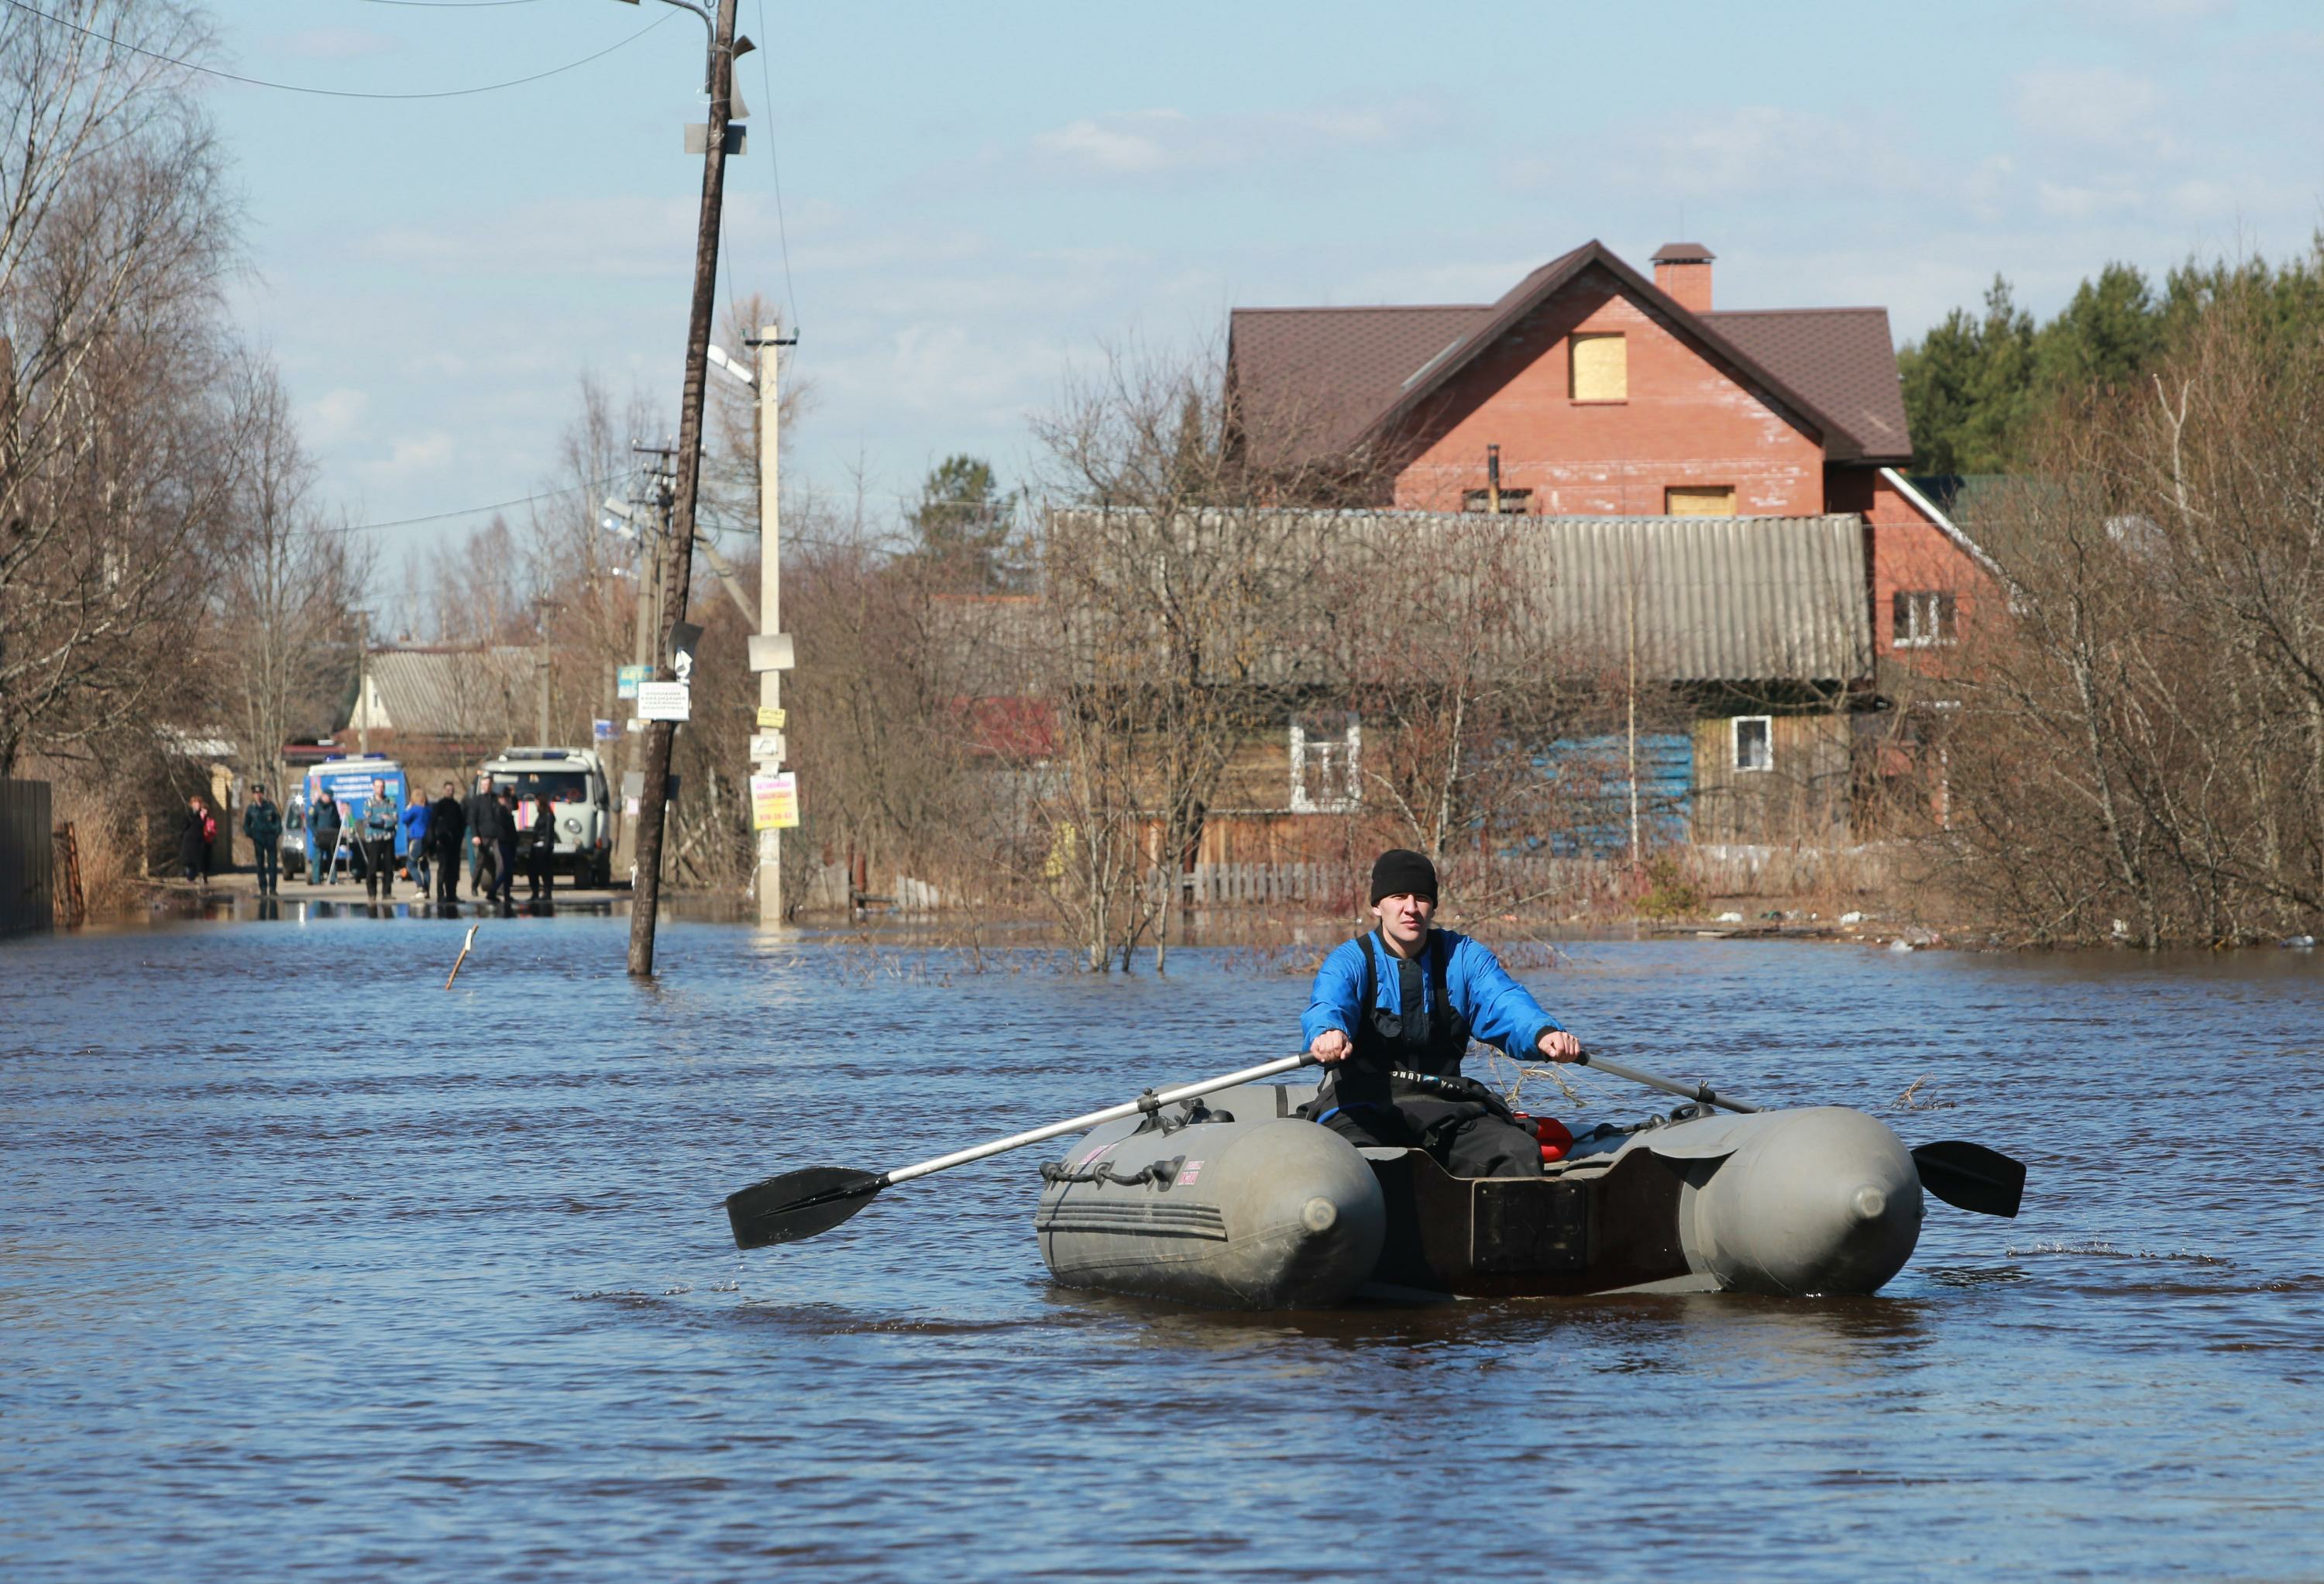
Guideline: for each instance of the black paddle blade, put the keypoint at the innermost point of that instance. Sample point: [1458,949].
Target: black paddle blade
[799,1205]
[1969,1177]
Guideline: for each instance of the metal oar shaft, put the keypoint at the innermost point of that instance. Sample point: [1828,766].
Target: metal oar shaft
[1699,1093]
[1145,1103]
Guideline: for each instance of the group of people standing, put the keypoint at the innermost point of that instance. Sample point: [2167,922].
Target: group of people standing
[493,831]
[489,830]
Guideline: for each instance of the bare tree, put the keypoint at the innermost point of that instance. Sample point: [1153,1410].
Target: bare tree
[119,449]
[2140,751]
[1178,605]
[281,650]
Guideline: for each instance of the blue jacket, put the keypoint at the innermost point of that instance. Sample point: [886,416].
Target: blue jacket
[411,827]
[1500,1011]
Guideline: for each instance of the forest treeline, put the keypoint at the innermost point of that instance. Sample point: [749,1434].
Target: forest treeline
[1979,385]
[2132,735]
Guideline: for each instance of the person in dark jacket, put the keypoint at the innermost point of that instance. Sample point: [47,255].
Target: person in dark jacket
[481,853]
[1390,1015]
[540,851]
[493,828]
[413,825]
[322,836]
[447,823]
[262,821]
[194,841]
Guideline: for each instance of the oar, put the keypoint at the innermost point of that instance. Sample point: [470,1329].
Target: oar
[799,1204]
[1965,1175]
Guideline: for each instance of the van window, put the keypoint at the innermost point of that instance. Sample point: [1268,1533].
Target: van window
[562,786]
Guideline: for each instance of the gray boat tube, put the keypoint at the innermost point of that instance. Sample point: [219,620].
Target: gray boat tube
[1238,1203]
[1271,1212]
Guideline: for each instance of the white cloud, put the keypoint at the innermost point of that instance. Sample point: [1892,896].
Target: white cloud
[2090,104]
[1152,143]
[335,414]
[1752,150]
[338,43]
[2064,201]
[2113,14]
[416,454]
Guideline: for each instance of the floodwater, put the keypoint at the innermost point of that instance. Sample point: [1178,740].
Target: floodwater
[310,1268]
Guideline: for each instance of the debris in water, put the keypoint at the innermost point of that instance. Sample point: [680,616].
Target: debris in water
[462,957]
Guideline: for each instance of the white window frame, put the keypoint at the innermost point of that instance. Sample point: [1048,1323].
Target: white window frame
[1734,742]
[1926,629]
[1323,739]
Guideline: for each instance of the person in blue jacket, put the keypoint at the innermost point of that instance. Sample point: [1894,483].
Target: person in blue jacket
[1392,1014]
[411,830]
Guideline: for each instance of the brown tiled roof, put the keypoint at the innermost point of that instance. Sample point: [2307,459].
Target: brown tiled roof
[1311,380]
[1681,252]
[1840,358]
[1317,380]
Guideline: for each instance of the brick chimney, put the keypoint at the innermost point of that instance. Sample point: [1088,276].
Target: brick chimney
[1682,269]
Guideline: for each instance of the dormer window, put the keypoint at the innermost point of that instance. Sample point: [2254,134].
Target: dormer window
[1600,368]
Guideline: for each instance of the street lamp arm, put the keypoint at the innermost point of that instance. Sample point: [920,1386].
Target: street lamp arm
[690,5]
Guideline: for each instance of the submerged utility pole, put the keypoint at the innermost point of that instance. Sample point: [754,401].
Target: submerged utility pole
[677,546]
[771,588]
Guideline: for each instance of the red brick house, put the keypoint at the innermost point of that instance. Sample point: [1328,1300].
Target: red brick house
[1590,391]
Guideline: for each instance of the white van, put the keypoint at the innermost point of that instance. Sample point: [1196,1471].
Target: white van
[574,780]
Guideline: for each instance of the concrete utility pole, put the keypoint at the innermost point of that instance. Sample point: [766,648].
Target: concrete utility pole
[678,550]
[770,589]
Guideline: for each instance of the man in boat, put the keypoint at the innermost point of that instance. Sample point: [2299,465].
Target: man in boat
[1393,1012]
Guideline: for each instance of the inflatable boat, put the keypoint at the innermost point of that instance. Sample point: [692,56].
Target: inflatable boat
[1233,1201]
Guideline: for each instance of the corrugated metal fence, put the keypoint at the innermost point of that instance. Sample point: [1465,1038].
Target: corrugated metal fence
[27,857]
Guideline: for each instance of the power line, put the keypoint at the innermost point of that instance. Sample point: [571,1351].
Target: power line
[775,164]
[471,511]
[292,87]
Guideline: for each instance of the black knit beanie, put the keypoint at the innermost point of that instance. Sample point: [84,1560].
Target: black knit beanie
[1399,871]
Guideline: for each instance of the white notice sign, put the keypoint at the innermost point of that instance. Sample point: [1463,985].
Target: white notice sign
[768,746]
[665,701]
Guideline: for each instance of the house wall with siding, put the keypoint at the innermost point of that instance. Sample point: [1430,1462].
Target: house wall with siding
[1802,797]
[1686,421]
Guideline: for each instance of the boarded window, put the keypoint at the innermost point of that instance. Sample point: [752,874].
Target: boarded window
[1601,368]
[1755,747]
[1514,502]
[1699,500]
[1922,619]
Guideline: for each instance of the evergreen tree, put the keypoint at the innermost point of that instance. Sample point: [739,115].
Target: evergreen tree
[963,525]
[1969,385]
[2104,338]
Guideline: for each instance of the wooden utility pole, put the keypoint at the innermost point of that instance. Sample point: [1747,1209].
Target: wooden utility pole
[678,547]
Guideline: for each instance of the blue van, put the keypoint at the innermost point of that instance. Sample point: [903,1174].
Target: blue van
[349,781]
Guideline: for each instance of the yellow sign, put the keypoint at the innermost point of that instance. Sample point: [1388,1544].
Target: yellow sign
[774,802]
[769,719]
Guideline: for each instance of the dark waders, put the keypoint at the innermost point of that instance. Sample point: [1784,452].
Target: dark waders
[1402,1087]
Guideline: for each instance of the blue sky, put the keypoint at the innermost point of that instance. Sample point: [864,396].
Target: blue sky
[976,198]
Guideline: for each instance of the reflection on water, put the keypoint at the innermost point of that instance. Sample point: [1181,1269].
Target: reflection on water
[310,1266]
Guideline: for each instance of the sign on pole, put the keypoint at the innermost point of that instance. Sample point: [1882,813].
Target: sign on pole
[768,746]
[603,731]
[769,719]
[627,678]
[665,701]
[774,802]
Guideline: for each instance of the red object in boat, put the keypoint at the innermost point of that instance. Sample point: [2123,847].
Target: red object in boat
[1554,1135]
